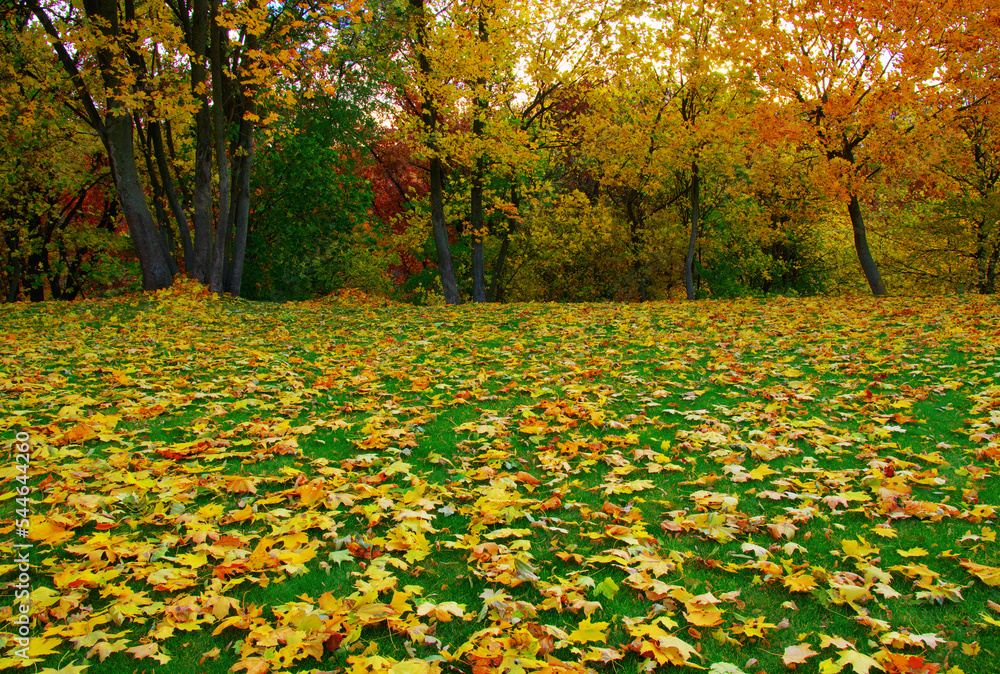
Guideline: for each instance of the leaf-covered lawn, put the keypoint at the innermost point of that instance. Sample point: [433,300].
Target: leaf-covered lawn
[347,484]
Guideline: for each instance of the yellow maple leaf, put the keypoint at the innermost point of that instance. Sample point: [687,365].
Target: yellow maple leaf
[252,666]
[988,574]
[442,612]
[756,627]
[989,620]
[800,582]
[150,650]
[761,471]
[42,646]
[588,631]
[859,661]
[828,666]
[106,648]
[913,552]
[703,616]
[859,548]
[884,531]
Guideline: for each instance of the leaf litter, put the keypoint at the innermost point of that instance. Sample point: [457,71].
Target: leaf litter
[354,485]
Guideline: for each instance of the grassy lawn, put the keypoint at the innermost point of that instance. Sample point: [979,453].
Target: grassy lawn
[352,485]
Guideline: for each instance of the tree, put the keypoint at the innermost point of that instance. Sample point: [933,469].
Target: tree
[128,61]
[430,117]
[967,139]
[853,73]
[489,76]
[56,221]
[672,112]
[310,199]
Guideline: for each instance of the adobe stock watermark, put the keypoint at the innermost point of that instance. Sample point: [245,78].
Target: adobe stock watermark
[20,615]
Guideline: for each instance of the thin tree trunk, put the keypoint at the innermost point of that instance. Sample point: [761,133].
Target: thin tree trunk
[694,216]
[11,239]
[172,152]
[172,199]
[202,199]
[429,115]
[498,265]
[868,265]
[981,258]
[145,236]
[163,225]
[496,289]
[635,220]
[476,219]
[441,243]
[477,227]
[36,267]
[217,277]
[242,209]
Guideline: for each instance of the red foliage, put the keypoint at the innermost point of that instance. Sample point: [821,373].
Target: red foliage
[396,180]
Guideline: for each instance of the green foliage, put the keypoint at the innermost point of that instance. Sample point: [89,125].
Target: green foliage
[309,201]
[744,253]
[363,263]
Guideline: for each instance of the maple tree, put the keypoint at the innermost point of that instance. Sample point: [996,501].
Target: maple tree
[669,124]
[965,153]
[483,126]
[857,75]
[127,86]
[58,220]
[430,118]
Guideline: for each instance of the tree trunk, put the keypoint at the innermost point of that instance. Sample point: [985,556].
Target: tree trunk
[163,225]
[445,268]
[217,277]
[171,192]
[11,239]
[476,220]
[868,265]
[477,225]
[634,214]
[36,267]
[694,215]
[495,293]
[242,209]
[202,198]
[429,116]
[145,236]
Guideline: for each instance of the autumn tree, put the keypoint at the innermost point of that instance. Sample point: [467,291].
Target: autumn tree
[671,114]
[56,220]
[964,148]
[150,70]
[489,77]
[853,73]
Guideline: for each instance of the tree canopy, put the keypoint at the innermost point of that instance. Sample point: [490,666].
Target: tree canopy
[499,149]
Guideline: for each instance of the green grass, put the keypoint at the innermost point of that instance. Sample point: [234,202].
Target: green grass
[529,466]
